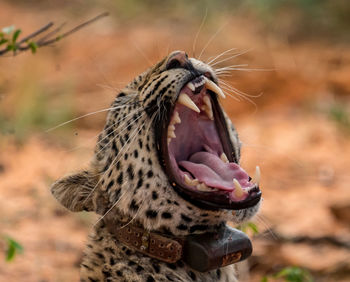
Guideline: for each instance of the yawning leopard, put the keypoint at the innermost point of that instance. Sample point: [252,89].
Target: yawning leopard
[166,167]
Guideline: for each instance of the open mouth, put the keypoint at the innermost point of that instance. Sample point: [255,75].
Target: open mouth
[198,155]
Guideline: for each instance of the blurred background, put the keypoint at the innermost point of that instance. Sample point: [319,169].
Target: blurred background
[293,64]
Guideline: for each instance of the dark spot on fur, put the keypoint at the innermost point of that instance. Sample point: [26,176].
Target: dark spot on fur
[130,171]
[182,227]
[156,267]
[136,154]
[192,275]
[139,268]
[151,213]
[180,263]
[171,265]
[87,267]
[119,273]
[120,178]
[133,206]
[150,279]
[154,195]
[186,218]
[166,215]
[218,273]
[150,174]
[198,227]
[110,184]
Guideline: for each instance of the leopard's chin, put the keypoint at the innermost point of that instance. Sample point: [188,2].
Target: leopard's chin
[197,154]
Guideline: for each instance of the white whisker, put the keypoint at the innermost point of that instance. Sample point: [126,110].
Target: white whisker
[219,56]
[211,39]
[231,57]
[198,32]
[86,115]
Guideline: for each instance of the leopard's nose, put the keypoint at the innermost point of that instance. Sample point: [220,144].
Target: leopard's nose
[178,59]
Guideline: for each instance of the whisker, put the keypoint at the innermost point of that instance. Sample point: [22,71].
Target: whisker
[124,148]
[266,225]
[198,32]
[220,55]
[112,207]
[86,115]
[239,92]
[92,138]
[231,57]
[211,39]
[112,139]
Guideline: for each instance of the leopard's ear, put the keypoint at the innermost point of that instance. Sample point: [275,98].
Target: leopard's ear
[75,191]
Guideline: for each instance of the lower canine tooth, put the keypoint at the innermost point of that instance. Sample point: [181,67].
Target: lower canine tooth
[224,158]
[185,100]
[213,87]
[208,108]
[238,192]
[188,181]
[256,177]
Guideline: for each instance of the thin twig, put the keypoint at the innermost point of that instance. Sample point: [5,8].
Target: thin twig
[47,39]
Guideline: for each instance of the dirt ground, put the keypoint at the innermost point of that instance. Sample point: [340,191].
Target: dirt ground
[296,129]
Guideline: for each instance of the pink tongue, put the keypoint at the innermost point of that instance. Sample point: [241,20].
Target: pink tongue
[211,170]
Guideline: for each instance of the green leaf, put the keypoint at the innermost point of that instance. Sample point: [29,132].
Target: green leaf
[294,274]
[13,247]
[8,29]
[33,46]
[15,35]
[3,40]
[264,279]
[253,227]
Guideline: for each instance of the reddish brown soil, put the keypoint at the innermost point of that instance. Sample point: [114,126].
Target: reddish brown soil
[304,155]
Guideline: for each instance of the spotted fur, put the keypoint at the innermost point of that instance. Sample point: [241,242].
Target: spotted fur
[126,182]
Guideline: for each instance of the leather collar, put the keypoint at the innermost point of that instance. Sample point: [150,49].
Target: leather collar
[202,252]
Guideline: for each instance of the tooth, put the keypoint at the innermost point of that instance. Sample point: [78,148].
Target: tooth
[208,109]
[238,192]
[256,177]
[171,127]
[171,134]
[213,87]
[224,158]
[188,181]
[185,100]
[191,86]
[169,140]
[204,187]
[176,118]
[195,181]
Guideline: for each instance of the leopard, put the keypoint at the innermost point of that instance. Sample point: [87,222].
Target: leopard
[167,161]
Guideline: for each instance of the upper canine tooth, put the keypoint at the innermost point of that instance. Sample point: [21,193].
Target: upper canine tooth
[213,87]
[238,192]
[185,100]
[256,177]
[224,158]
[191,86]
